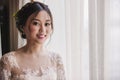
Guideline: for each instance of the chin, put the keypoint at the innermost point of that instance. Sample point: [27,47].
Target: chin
[41,41]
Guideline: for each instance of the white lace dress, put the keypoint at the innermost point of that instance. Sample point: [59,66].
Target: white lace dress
[9,69]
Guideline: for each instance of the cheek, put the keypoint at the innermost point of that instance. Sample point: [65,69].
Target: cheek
[32,29]
[49,31]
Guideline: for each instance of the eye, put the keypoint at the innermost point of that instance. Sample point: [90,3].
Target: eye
[47,24]
[36,23]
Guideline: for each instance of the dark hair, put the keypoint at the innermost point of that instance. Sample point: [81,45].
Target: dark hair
[28,9]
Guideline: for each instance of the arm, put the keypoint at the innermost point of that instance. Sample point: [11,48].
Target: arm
[4,69]
[60,69]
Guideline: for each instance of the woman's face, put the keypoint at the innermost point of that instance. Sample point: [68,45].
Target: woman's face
[38,28]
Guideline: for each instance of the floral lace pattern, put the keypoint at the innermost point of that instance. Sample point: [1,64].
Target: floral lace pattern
[8,62]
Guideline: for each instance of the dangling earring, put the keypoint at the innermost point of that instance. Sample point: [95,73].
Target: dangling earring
[23,35]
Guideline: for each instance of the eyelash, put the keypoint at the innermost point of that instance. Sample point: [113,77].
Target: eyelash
[47,24]
[36,23]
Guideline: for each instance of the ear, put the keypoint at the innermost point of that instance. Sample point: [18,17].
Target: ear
[24,29]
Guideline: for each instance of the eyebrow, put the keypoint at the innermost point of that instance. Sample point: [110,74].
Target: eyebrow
[39,20]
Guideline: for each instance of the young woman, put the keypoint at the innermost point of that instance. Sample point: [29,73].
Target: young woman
[33,61]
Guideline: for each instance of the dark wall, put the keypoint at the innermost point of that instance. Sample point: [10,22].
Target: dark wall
[4,25]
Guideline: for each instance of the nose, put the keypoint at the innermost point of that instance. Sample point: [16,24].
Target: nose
[42,29]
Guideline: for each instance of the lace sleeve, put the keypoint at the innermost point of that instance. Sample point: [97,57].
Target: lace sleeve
[4,69]
[60,69]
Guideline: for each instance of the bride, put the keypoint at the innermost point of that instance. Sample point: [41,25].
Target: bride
[33,61]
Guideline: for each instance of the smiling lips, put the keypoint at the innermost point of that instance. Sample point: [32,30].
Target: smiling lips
[41,36]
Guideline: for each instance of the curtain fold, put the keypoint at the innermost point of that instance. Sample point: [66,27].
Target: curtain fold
[112,40]
[13,7]
[96,39]
[77,39]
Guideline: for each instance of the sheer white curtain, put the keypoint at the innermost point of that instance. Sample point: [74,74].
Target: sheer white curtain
[96,39]
[104,29]
[77,39]
[93,48]
[112,40]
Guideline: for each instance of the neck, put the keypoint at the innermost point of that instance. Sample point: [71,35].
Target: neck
[34,48]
